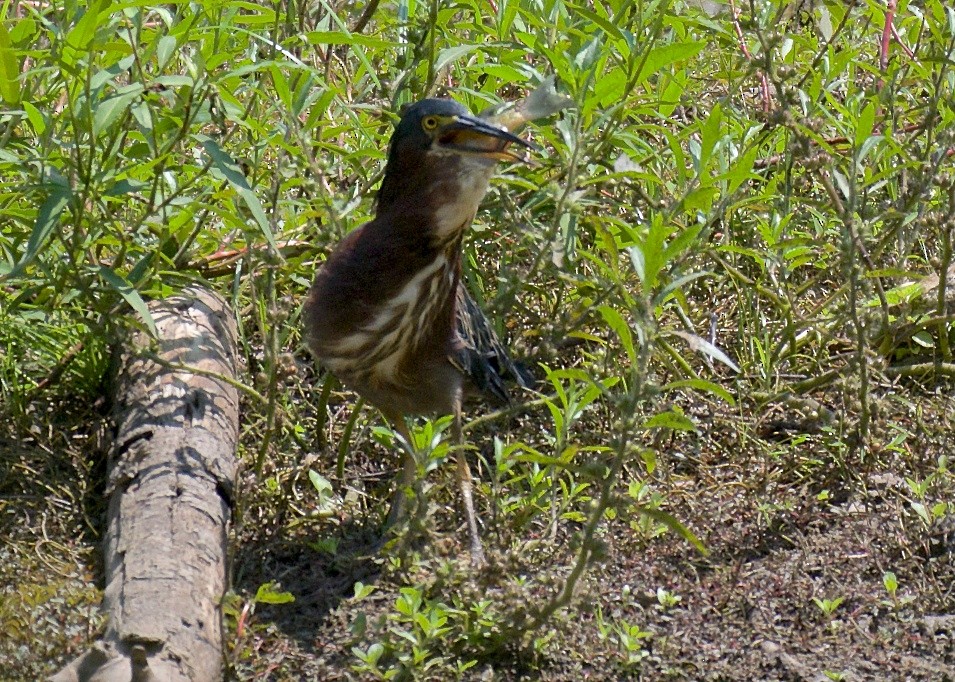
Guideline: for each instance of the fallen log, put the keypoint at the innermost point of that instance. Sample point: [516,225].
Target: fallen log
[172,469]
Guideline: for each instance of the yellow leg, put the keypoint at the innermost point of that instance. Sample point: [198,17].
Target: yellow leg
[408,473]
[464,481]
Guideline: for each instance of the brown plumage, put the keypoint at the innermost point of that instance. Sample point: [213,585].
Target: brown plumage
[387,313]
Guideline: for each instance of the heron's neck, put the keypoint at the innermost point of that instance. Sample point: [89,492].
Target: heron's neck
[446,208]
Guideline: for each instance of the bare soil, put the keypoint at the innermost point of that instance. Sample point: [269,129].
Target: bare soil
[786,522]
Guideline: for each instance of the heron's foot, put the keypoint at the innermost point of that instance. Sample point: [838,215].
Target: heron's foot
[477,552]
[400,506]
[406,525]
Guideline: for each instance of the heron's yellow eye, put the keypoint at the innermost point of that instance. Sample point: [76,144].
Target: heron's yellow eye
[429,122]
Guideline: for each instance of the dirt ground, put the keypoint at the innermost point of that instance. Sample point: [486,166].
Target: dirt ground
[790,530]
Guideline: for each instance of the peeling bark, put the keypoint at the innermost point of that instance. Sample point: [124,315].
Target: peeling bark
[172,468]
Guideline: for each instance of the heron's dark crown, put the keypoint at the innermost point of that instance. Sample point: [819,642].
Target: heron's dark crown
[438,142]
[410,126]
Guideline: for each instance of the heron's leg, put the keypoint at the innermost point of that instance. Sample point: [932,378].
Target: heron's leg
[409,470]
[464,481]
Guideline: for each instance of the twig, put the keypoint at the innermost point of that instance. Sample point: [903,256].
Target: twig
[764,82]
[922,369]
[60,368]
[889,31]
[365,17]
[886,35]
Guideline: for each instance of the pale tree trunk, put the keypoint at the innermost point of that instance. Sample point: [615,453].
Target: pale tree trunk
[172,468]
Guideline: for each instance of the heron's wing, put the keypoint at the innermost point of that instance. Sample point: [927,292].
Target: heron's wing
[480,355]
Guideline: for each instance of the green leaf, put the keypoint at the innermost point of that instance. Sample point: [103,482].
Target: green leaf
[742,170]
[130,295]
[638,261]
[824,22]
[233,175]
[649,257]
[175,81]
[710,132]
[669,420]
[281,84]
[681,243]
[9,69]
[701,198]
[109,110]
[344,38]
[35,117]
[164,50]
[81,35]
[620,327]
[701,385]
[605,24]
[113,73]
[660,57]
[321,484]
[452,54]
[924,339]
[24,29]
[673,524]
[676,284]
[865,123]
[535,457]
[362,590]
[842,182]
[370,656]
[920,509]
[610,88]
[267,594]
[46,219]
[253,14]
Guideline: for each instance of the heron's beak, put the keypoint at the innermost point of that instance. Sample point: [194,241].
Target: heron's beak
[471,135]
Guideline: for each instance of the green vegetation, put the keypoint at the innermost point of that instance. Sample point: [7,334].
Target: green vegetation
[728,268]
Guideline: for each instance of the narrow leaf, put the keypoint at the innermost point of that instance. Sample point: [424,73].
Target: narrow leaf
[164,50]
[452,54]
[321,484]
[608,27]
[701,345]
[109,110]
[46,219]
[673,524]
[343,38]
[668,54]
[267,594]
[670,420]
[233,175]
[35,117]
[9,69]
[119,284]
[710,131]
[81,35]
[866,123]
[701,385]
[620,327]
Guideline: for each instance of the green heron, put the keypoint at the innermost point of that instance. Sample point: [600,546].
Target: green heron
[388,314]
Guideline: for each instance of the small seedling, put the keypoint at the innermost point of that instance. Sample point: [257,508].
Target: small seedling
[631,639]
[828,608]
[891,584]
[667,599]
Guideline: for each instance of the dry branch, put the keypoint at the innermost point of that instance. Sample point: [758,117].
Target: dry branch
[172,468]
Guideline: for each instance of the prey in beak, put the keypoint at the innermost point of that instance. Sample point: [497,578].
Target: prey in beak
[471,135]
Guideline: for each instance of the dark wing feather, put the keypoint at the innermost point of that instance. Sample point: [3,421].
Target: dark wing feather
[481,355]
